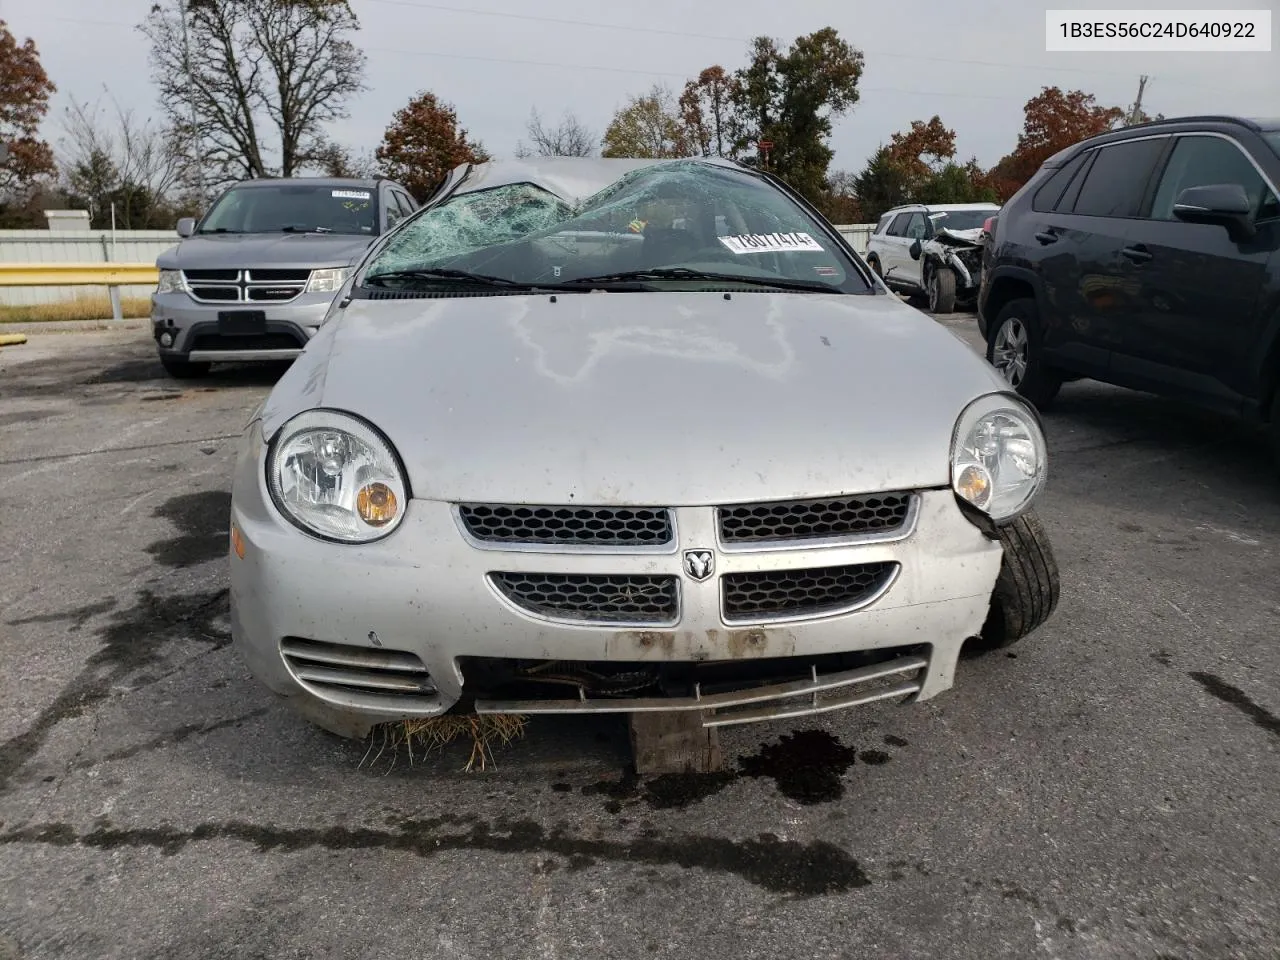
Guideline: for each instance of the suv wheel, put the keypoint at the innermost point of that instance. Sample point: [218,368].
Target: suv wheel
[874,263]
[942,290]
[183,369]
[1014,349]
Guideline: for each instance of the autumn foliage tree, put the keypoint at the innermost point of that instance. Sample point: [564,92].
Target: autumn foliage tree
[648,126]
[24,100]
[1053,121]
[424,142]
[706,111]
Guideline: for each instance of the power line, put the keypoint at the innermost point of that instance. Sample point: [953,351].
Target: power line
[627,28]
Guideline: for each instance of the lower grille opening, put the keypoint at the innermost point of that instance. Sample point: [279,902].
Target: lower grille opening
[785,594]
[592,598]
[266,341]
[361,676]
[503,678]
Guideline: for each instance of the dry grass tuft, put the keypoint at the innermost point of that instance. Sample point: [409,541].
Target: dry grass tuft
[435,733]
[81,308]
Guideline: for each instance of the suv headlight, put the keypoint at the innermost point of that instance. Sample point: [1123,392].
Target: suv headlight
[328,280]
[998,456]
[171,282]
[336,477]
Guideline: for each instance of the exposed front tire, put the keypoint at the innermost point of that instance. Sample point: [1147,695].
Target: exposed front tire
[181,368]
[1026,592]
[874,263]
[942,290]
[1015,348]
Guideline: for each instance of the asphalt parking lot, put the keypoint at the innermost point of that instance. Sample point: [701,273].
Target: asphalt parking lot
[1107,789]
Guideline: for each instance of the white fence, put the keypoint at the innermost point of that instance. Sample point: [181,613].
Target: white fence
[78,246]
[143,246]
[857,234]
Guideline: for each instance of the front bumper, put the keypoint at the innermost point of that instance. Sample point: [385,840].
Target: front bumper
[193,327]
[424,593]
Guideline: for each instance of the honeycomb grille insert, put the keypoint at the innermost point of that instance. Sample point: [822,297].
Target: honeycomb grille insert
[580,526]
[784,594]
[825,518]
[592,598]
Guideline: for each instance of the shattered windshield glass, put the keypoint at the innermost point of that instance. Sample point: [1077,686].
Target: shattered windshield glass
[665,226]
[961,219]
[294,207]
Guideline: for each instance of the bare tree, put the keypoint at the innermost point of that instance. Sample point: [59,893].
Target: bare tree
[253,83]
[111,156]
[568,139]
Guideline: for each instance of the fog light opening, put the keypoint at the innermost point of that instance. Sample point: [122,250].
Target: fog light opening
[166,339]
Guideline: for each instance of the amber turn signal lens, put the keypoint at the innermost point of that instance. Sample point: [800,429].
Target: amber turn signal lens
[237,541]
[974,485]
[376,504]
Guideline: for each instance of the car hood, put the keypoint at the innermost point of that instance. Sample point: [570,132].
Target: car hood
[661,399]
[302,251]
[960,238]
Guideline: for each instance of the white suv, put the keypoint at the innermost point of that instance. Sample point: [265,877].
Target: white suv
[934,249]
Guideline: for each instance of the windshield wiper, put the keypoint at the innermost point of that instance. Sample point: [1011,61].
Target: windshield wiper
[463,276]
[292,229]
[686,273]
[219,230]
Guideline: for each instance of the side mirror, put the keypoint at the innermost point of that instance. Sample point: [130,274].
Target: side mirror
[1225,204]
[186,227]
[914,250]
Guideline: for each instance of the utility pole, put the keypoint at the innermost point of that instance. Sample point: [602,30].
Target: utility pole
[1136,110]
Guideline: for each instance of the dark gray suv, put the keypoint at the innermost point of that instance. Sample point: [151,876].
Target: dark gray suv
[254,278]
[1149,258]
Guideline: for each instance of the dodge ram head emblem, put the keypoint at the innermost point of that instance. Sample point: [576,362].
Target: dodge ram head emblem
[699,564]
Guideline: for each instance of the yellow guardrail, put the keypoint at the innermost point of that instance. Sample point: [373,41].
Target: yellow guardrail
[78,274]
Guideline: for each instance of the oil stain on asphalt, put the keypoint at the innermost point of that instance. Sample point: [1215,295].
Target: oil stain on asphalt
[807,766]
[202,522]
[780,866]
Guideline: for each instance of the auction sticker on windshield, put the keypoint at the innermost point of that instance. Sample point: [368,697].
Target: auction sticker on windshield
[351,194]
[770,242]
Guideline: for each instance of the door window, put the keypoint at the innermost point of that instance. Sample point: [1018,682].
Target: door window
[1117,181]
[899,226]
[1046,198]
[1199,161]
[916,227]
[884,222]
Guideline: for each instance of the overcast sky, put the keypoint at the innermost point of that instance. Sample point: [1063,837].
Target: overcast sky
[975,62]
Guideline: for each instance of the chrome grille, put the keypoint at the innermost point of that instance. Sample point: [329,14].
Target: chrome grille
[359,675]
[583,526]
[819,519]
[788,594]
[246,286]
[593,598]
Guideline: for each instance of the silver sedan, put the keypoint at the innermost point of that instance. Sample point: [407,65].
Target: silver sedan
[616,435]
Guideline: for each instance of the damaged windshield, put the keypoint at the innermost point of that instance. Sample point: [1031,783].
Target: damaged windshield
[961,219]
[674,225]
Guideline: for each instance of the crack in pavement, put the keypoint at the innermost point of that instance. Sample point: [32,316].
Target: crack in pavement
[175,736]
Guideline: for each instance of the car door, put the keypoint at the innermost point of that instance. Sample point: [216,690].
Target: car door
[1089,289]
[889,245]
[1200,289]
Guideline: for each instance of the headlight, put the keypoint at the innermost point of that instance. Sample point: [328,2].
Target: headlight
[171,282]
[998,456]
[336,477]
[327,281]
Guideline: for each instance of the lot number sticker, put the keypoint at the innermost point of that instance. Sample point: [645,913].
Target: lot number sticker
[352,194]
[771,243]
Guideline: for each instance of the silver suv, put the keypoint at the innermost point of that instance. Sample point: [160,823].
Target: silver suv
[254,278]
[932,249]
